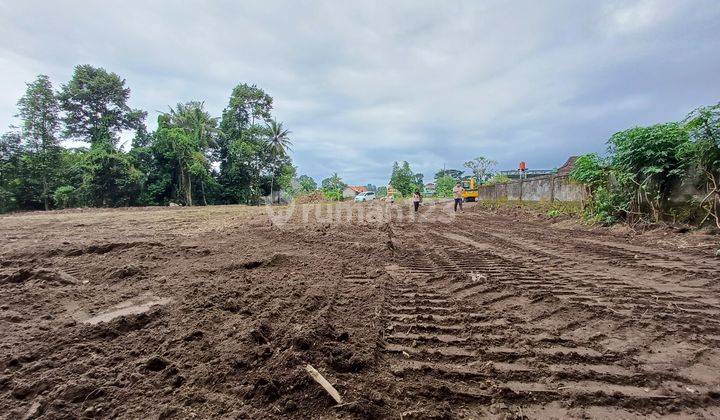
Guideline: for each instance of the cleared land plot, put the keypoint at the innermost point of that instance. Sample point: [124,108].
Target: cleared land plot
[216,312]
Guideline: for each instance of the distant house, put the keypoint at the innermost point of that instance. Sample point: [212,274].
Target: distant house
[352,190]
[430,188]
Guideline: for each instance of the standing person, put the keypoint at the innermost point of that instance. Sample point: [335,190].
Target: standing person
[458,191]
[417,199]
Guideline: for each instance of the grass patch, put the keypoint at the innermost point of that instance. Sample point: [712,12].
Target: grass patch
[550,209]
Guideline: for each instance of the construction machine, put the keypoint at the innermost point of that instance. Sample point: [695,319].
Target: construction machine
[470,185]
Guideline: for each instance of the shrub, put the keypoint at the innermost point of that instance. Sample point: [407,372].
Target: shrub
[703,151]
[64,196]
[444,186]
[590,170]
[334,195]
[498,179]
[646,161]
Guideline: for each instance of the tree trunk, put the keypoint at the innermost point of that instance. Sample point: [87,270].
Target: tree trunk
[188,191]
[202,188]
[45,192]
[181,184]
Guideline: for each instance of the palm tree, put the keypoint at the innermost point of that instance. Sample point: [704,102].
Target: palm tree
[278,143]
[197,122]
[203,129]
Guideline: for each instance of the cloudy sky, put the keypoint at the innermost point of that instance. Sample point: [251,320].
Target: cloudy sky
[361,84]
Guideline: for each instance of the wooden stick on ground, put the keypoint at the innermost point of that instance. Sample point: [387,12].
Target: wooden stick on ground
[324,383]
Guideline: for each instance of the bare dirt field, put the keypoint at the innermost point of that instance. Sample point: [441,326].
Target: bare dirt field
[215,311]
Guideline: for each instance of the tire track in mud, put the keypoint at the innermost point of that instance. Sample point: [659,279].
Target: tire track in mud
[621,270]
[479,321]
[600,246]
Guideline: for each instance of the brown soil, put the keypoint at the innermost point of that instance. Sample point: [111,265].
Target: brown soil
[214,312]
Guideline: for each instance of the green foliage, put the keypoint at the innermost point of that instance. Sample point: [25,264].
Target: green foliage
[444,186]
[590,170]
[252,148]
[453,173]
[248,105]
[703,151]
[333,195]
[481,167]
[333,187]
[10,176]
[182,147]
[278,143]
[637,179]
[95,106]
[606,206]
[307,184]
[553,213]
[39,111]
[278,138]
[285,178]
[645,162]
[64,196]
[381,191]
[498,179]
[603,206]
[109,178]
[178,162]
[404,181]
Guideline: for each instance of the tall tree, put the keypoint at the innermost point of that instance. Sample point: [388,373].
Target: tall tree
[404,180]
[202,131]
[241,147]
[95,105]
[38,111]
[456,174]
[481,168]
[307,184]
[278,144]
[10,154]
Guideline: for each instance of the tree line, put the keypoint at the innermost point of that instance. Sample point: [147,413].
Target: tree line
[191,158]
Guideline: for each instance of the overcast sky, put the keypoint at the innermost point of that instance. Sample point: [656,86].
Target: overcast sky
[361,84]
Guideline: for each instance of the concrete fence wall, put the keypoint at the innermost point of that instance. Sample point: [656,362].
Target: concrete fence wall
[543,188]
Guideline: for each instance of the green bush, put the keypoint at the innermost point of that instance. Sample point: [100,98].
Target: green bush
[603,206]
[334,195]
[590,170]
[7,200]
[64,196]
[646,162]
[498,179]
[444,186]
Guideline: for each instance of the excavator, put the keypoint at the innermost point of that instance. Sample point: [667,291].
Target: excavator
[470,185]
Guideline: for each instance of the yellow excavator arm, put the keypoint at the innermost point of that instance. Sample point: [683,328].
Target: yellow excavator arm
[471,189]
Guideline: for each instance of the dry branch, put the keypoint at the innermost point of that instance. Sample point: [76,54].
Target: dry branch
[324,383]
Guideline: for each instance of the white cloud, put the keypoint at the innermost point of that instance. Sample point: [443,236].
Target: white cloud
[636,16]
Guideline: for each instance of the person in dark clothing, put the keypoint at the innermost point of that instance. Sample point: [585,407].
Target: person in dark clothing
[458,195]
[417,199]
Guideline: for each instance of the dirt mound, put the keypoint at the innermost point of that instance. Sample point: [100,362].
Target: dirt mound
[313,198]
